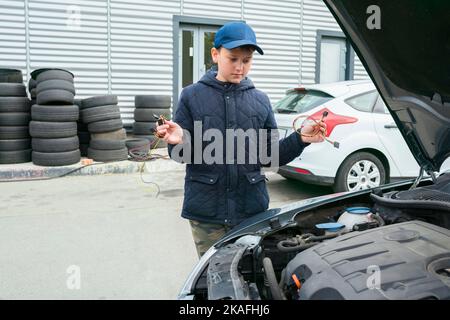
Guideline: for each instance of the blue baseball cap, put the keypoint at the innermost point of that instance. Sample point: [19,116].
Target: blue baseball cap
[236,34]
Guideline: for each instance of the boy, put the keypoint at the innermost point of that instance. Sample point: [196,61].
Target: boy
[220,195]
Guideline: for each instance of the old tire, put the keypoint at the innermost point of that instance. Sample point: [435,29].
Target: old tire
[152,101]
[67,113]
[45,74]
[11,75]
[119,134]
[55,85]
[55,145]
[144,128]
[15,104]
[12,90]
[108,155]
[41,129]
[148,115]
[54,97]
[15,144]
[105,126]
[10,157]
[99,101]
[50,159]
[7,133]
[107,144]
[16,119]
[100,113]
[361,170]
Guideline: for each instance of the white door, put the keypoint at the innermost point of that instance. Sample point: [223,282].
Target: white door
[194,58]
[393,141]
[332,59]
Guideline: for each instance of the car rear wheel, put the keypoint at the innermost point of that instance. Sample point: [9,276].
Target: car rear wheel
[360,171]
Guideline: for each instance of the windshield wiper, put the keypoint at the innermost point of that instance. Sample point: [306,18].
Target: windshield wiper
[282,110]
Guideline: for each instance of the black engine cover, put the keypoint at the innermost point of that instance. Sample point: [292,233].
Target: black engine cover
[413,259]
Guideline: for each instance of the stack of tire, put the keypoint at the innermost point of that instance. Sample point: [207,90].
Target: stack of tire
[83,133]
[102,116]
[15,145]
[146,107]
[32,90]
[54,119]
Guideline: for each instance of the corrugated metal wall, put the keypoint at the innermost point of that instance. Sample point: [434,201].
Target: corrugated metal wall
[277,26]
[13,53]
[141,49]
[125,47]
[74,36]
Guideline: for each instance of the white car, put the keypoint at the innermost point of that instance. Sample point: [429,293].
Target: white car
[371,151]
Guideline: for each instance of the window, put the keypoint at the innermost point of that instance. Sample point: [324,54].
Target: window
[363,102]
[299,101]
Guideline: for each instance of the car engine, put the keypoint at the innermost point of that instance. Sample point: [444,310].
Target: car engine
[398,261]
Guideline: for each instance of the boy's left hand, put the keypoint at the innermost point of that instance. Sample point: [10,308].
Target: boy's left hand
[313,132]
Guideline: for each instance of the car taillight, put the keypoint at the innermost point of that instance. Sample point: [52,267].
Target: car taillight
[302,171]
[332,119]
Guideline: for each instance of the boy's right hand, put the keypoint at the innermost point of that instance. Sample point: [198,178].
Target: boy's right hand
[171,132]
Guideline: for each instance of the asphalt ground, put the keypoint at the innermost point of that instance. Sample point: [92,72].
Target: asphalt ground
[106,236]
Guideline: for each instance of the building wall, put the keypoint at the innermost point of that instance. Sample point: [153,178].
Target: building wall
[125,47]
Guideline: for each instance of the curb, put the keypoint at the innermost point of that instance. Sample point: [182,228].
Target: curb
[29,171]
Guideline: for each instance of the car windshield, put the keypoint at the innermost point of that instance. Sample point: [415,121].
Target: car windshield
[299,101]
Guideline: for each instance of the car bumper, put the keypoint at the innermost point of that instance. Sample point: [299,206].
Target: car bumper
[289,172]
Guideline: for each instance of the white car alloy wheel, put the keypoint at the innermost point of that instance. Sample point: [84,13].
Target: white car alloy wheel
[363,174]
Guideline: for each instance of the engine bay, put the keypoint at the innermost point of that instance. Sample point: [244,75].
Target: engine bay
[394,245]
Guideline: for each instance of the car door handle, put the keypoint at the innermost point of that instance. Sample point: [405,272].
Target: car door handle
[391,126]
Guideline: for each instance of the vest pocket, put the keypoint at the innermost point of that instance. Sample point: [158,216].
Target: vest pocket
[201,194]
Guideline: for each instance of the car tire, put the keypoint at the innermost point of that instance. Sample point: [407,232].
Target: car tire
[12,90]
[14,104]
[16,119]
[41,129]
[119,134]
[31,84]
[55,96]
[144,128]
[18,156]
[152,101]
[148,115]
[51,159]
[108,155]
[98,101]
[105,126]
[55,145]
[15,144]
[11,76]
[11,133]
[55,85]
[55,113]
[51,74]
[100,113]
[107,144]
[370,163]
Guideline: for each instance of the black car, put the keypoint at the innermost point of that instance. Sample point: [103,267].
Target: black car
[392,242]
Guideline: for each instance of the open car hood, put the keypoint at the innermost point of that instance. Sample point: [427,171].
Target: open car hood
[408,59]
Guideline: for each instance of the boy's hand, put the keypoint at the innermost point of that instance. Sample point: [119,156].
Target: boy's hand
[313,132]
[171,132]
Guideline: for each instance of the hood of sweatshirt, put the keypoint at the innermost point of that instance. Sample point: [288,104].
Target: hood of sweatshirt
[209,79]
